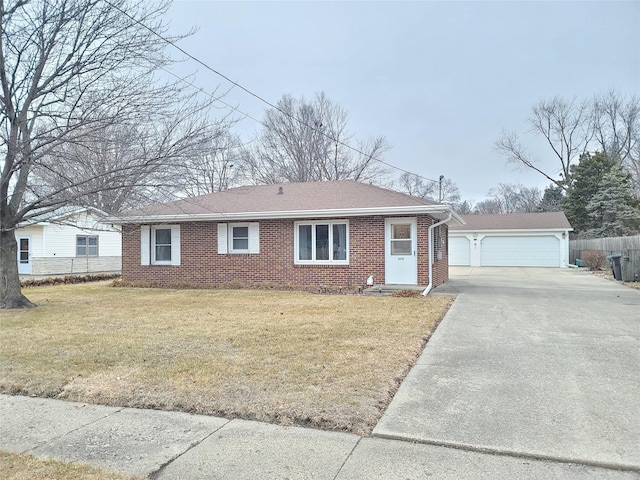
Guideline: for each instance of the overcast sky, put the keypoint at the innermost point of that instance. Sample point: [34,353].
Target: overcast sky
[440,80]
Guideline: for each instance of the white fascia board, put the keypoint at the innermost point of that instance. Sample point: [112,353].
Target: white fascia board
[56,218]
[528,231]
[433,210]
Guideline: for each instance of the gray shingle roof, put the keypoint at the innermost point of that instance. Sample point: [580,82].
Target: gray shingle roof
[515,221]
[287,197]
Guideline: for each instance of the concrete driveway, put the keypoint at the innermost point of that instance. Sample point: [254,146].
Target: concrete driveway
[532,362]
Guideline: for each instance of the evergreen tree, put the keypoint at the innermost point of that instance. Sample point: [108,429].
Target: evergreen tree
[552,199]
[464,208]
[613,209]
[587,176]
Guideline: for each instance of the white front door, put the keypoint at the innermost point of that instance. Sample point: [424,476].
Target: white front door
[401,261]
[24,255]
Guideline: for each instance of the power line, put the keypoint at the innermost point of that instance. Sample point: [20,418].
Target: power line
[255,95]
[217,99]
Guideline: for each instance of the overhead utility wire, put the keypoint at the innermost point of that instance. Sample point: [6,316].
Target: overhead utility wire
[215,98]
[255,95]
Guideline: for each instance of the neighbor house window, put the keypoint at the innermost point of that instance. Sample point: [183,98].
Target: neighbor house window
[86,246]
[322,242]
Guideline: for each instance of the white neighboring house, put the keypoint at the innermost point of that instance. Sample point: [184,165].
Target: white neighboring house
[76,241]
[511,240]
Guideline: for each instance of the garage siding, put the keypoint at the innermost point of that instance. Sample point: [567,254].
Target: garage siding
[531,251]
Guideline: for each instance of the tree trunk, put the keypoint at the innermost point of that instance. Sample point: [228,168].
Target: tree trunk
[10,289]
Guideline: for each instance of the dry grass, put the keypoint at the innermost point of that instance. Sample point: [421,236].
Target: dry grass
[329,361]
[26,467]
[606,274]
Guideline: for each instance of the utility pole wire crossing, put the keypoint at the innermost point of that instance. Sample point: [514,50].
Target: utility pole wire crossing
[263,100]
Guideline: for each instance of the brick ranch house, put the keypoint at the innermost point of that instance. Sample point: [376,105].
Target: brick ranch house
[330,235]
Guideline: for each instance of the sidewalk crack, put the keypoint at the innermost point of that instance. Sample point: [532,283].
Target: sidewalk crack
[156,473]
[84,425]
[347,459]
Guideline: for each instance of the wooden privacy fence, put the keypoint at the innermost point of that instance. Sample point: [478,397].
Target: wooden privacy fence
[629,247]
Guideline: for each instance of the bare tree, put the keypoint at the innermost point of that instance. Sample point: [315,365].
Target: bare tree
[616,124]
[69,72]
[126,166]
[608,123]
[445,191]
[415,185]
[565,125]
[510,198]
[506,196]
[488,206]
[217,169]
[529,199]
[305,141]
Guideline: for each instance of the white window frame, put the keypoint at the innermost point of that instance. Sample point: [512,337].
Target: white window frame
[313,224]
[231,237]
[86,246]
[154,261]
[225,238]
[148,245]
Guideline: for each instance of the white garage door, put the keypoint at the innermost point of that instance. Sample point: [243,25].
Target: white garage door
[459,251]
[542,251]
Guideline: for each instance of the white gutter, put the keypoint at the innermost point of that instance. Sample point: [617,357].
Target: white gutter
[430,237]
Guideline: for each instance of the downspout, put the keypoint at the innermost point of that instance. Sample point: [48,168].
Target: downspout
[430,236]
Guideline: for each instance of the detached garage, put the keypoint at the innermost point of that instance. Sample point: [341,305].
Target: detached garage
[511,240]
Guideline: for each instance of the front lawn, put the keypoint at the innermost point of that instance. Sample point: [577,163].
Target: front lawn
[328,361]
[15,466]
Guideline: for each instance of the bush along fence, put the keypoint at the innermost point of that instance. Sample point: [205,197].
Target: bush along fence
[628,247]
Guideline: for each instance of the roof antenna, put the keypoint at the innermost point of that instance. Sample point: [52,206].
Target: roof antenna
[280,191]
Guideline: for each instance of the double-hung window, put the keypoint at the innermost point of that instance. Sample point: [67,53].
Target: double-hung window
[322,242]
[160,245]
[239,238]
[87,246]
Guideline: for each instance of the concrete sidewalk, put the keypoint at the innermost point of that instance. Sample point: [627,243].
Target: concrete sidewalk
[173,445]
[532,374]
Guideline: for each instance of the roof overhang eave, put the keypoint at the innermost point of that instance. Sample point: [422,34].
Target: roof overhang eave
[511,230]
[437,211]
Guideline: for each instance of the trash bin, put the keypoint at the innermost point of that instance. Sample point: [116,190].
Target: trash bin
[616,266]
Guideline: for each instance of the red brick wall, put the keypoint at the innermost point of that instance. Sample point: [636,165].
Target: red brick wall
[440,266]
[201,264]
